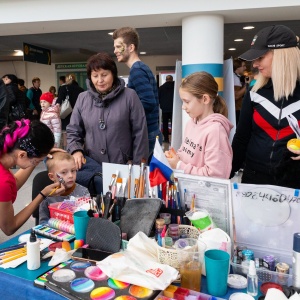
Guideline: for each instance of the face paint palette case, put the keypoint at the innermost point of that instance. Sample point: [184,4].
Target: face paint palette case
[53,233]
[85,280]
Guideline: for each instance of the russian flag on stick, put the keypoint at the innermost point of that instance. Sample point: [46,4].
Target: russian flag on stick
[160,169]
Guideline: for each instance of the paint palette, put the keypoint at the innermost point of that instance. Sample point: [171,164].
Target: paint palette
[53,233]
[85,280]
[41,280]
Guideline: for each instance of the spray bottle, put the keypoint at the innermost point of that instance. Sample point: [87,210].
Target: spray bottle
[252,280]
[33,252]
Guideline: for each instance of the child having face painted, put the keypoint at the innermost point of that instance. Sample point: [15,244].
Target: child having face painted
[61,168]
[205,150]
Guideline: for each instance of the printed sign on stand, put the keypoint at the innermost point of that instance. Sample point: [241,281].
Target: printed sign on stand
[211,194]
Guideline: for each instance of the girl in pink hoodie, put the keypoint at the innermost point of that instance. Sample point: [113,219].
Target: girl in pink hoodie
[206,150]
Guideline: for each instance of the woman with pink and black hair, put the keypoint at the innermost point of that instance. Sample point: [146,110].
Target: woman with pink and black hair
[25,144]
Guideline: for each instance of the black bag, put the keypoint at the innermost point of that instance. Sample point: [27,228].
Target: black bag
[139,215]
[103,235]
[19,108]
[17,112]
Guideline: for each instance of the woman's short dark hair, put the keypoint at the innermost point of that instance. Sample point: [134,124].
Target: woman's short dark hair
[12,77]
[102,61]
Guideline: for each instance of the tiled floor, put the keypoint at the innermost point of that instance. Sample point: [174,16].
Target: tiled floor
[24,198]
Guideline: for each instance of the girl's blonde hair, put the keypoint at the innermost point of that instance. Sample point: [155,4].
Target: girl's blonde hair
[69,78]
[201,83]
[285,73]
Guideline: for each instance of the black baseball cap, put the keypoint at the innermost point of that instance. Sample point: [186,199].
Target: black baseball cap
[271,37]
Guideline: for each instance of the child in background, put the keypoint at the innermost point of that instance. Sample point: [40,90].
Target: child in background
[206,150]
[61,164]
[51,116]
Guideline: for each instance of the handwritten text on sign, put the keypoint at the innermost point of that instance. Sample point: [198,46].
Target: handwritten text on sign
[263,196]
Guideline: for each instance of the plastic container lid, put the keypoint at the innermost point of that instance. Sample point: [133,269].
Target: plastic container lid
[268,285]
[241,296]
[236,281]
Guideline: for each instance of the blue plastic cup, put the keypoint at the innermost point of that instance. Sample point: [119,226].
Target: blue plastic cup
[81,220]
[217,269]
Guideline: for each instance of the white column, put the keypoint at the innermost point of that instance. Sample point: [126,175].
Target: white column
[202,48]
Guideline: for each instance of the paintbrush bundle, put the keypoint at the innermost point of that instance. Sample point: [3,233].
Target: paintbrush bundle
[172,202]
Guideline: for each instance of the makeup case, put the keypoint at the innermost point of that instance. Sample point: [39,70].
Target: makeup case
[104,235]
[139,215]
[85,280]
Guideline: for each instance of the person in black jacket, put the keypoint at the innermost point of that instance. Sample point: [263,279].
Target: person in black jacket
[263,130]
[16,98]
[4,105]
[72,89]
[34,94]
[166,94]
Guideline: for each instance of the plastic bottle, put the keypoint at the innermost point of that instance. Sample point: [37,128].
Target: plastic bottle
[252,280]
[33,252]
[296,260]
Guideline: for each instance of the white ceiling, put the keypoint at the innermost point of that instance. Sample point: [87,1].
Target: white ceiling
[74,40]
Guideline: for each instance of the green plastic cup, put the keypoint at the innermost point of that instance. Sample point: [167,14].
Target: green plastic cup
[200,218]
[217,268]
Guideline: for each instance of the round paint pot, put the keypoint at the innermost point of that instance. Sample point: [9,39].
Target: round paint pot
[241,296]
[268,285]
[236,281]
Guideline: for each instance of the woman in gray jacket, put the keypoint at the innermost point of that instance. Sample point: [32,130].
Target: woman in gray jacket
[108,122]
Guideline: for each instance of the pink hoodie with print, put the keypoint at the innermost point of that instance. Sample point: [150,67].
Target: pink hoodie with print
[206,149]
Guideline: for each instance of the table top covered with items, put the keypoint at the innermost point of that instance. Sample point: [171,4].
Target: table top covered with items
[203,238]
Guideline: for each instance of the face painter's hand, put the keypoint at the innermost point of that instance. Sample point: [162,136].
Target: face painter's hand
[79,159]
[53,189]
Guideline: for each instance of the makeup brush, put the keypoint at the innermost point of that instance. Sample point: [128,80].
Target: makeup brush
[114,188]
[113,177]
[90,212]
[124,183]
[142,180]
[119,187]
[60,179]
[136,187]
[129,180]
